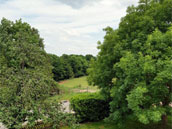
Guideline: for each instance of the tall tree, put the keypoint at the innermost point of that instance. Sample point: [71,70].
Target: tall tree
[133,66]
[25,76]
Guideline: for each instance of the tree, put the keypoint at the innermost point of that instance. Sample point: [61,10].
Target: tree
[89,57]
[61,68]
[134,65]
[79,65]
[68,66]
[25,75]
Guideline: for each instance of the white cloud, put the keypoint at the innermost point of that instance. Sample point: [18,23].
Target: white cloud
[66,27]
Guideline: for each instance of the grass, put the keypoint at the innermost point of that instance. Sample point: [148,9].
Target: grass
[74,83]
[127,125]
[94,125]
[103,125]
[72,87]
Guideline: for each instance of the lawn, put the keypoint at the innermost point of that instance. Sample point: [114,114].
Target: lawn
[70,87]
[94,125]
[127,125]
[75,82]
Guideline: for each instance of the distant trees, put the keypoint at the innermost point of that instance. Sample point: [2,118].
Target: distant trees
[134,65]
[69,66]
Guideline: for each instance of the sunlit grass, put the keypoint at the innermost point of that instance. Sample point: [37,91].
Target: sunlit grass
[80,82]
[71,87]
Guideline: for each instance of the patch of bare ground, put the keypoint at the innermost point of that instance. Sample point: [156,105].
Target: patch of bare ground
[82,91]
[62,82]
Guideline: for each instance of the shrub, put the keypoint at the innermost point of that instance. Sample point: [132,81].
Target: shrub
[89,107]
[53,117]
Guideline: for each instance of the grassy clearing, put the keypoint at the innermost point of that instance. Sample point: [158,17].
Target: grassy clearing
[75,83]
[71,87]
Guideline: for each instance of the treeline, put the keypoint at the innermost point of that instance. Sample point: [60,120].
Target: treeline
[69,66]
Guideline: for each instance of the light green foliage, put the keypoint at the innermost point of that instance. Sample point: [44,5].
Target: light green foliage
[136,99]
[134,65]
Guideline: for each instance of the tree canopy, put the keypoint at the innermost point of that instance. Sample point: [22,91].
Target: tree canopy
[134,65]
[26,78]
[69,66]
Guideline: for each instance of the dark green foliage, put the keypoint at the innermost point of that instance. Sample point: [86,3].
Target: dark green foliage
[134,65]
[79,65]
[90,107]
[69,66]
[56,118]
[25,76]
[61,68]
[89,57]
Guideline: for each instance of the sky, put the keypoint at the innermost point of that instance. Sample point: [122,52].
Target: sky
[68,26]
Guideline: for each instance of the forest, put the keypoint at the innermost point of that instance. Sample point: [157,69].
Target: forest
[131,76]
[70,66]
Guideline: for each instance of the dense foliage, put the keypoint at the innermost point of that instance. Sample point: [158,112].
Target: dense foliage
[25,77]
[134,65]
[69,66]
[90,107]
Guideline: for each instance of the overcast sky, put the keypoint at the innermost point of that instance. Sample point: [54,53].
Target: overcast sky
[68,26]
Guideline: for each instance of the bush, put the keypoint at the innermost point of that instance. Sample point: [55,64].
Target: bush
[53,117]
[90,107]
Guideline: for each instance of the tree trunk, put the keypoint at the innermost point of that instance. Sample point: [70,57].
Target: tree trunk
[164,122]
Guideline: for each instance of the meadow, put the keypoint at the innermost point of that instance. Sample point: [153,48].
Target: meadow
[73,86]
